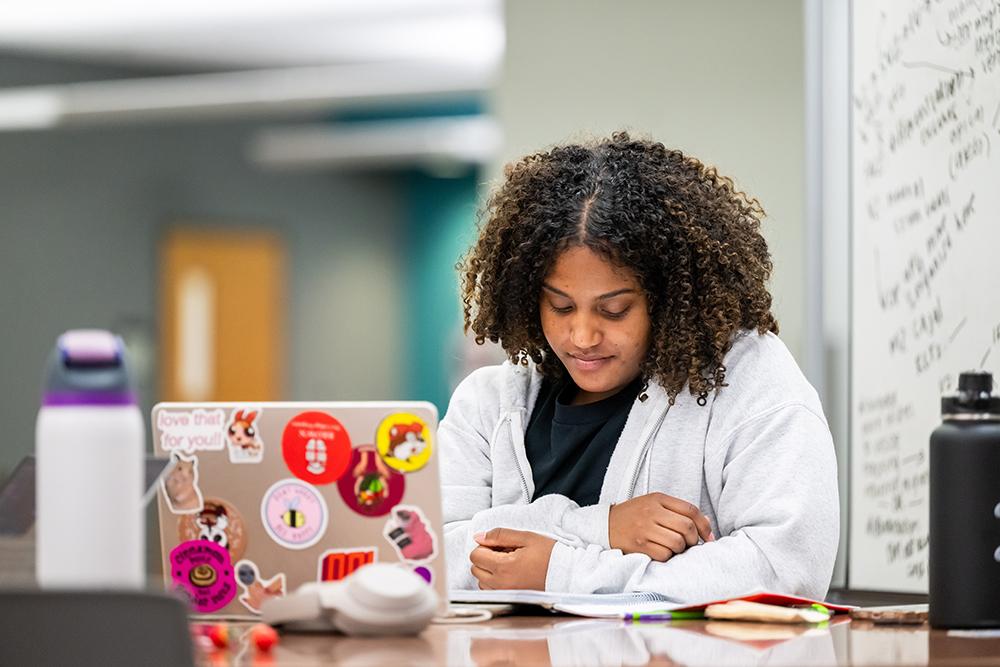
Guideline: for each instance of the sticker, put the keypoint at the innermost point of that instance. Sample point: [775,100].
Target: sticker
[255,590]
[407,530]
[191,430]
[425,573]
[316,447]
[294,514]
[204,572]
[245,445]
[404,442]
[180,485]
[217,522]
[335,564]
[370,488]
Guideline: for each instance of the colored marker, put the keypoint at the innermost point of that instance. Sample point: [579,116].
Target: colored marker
[821,608]
[664,616]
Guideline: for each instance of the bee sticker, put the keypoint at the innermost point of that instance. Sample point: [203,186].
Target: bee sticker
[256,590]
[217,522]
[202,571]
[294,514]
[404,442]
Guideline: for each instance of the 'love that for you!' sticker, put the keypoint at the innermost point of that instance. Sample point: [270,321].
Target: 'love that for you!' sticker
[191,430]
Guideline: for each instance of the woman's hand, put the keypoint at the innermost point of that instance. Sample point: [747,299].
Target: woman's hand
[657,525]
[507,558]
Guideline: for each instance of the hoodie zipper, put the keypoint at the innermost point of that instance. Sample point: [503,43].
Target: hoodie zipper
[517,462]
[643,451]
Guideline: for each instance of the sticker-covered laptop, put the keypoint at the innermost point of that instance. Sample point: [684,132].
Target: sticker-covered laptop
[263,497]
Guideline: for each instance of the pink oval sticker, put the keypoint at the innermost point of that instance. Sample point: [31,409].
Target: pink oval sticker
[294,514]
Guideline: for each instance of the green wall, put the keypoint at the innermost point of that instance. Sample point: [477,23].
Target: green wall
[441,226]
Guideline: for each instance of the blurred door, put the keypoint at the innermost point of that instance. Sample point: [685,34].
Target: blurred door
[222,317]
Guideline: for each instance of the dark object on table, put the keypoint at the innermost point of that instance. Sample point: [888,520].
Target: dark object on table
[93,628]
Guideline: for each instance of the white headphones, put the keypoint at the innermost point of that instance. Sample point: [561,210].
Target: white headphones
[377,599]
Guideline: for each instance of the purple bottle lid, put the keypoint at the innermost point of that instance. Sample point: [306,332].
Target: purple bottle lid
[89,347]
[88,367]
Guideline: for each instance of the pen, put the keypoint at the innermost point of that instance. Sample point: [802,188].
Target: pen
[664,616]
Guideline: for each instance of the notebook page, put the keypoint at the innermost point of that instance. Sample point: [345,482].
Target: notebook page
[546,599]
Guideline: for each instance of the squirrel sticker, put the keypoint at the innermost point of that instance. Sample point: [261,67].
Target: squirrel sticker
[404,442]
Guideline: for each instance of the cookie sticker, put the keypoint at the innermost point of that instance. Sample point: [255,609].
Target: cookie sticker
[191,430]
[408,531]
[294,514]
[217,522]
[256,590]
[203,571]
[404,442]
[369,487]
[245,445]
[316,448]
[335,564]
[180,485]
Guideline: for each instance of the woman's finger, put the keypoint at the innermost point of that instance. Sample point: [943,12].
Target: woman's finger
[689,510]
[667,538]
[483,558]
[482,576]
[680,524]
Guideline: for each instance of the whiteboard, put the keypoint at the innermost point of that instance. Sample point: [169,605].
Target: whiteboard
[925,254]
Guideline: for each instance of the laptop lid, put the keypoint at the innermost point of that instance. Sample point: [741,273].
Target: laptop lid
[263,497]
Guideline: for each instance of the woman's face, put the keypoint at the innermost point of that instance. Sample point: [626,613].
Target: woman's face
[595,318]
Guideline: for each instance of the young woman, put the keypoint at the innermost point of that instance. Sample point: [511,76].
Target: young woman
[650,431]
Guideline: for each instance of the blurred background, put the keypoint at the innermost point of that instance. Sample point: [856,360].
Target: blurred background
[267,199]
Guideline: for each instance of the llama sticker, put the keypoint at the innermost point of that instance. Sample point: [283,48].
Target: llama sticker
[180,485]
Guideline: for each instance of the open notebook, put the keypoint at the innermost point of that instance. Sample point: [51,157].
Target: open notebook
[618,605]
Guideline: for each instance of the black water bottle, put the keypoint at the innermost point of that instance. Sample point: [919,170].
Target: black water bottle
[964,567]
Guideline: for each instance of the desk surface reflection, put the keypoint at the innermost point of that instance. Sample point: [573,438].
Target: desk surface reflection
[560,640]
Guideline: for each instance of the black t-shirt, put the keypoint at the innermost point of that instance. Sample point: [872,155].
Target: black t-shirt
[569,446]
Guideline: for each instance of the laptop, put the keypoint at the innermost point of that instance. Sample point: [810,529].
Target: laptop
[263,497]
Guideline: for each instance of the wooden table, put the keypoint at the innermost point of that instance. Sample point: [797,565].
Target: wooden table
[565,640]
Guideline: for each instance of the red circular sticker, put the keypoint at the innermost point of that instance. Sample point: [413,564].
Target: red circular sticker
[370,487]
[316,447]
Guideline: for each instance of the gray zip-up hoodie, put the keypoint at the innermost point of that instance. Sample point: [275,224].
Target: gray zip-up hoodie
[758,460]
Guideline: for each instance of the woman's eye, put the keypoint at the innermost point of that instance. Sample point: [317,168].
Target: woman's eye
[557,309]
[616,314]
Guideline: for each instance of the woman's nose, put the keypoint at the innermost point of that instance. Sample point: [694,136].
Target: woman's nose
[585,333]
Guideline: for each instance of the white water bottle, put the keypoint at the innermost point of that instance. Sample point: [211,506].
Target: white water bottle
[89,442]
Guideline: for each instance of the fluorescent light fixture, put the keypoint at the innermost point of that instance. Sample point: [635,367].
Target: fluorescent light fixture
[374,144]
[298,90]
[257,33]
[30,108]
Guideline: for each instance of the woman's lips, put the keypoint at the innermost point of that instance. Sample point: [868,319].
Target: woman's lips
[589,364]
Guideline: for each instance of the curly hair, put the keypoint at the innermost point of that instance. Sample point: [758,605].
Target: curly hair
[691,238]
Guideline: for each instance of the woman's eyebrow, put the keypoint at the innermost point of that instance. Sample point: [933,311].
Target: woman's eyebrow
[609,295]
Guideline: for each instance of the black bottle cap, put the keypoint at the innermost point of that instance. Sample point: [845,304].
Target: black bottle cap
[973,397]
[975,382]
